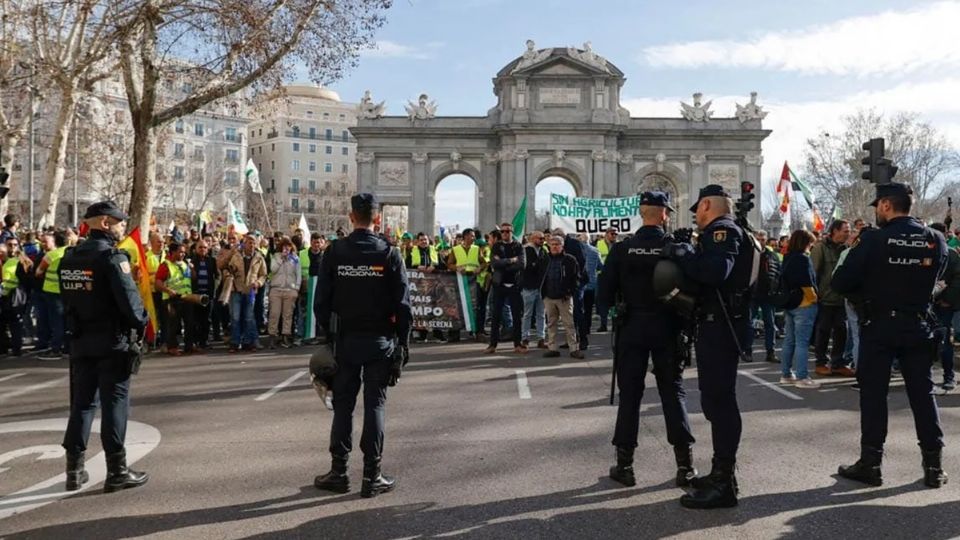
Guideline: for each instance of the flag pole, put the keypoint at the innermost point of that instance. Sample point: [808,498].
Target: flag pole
[266,215]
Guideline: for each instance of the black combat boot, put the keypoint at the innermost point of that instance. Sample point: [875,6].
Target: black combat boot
[716,490]
[336,480]
[76,475]
[933,475]
[623,471]
[685,469]
[375,483]
[866,469]
[119,476]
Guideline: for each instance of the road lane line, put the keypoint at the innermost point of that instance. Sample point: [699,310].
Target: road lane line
[522,387]
[32,388]
[771,386]
[9,377]
[269,393]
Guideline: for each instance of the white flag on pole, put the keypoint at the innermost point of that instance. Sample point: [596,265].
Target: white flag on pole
[303,227]
[253,176]
[235,218]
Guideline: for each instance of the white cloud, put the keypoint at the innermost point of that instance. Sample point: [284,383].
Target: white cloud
[391,49]
[889,42]
[794,122]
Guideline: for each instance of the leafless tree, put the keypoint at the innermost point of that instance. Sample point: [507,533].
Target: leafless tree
[926,160]
[246,44]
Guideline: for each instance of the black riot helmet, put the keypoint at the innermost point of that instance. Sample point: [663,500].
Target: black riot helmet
[323,366]
[672,287]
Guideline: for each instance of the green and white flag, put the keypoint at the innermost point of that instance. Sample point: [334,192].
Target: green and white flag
[235,218]
[309,322]
[466,302]
[252,176]
[520,220]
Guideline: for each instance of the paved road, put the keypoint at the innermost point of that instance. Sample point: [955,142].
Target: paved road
[483,446]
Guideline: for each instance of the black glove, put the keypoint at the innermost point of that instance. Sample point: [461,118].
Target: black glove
[401,355]
[677,251]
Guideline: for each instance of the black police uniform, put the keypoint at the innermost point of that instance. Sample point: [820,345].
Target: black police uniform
[363,283]
[648,328]
[721,265]
[894,269]
[103,308]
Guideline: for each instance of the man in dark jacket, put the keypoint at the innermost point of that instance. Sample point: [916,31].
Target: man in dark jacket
[560,283]
[947,302]
[508,261]
[203,281]
[530,282]
[574,247]
[831,316]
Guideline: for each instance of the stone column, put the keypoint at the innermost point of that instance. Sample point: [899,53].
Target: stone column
[366,175]
[488,192]
[625,175]
[421,205]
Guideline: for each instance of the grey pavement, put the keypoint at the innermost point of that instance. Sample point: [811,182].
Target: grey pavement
[475,456]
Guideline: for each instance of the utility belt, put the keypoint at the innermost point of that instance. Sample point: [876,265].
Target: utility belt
[874,313]
[737,307]
[365,328]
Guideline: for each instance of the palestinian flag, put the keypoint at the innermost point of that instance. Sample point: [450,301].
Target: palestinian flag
[797,185]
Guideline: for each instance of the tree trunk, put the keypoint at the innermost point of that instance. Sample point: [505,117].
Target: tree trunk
[6,161]
[56,160]
[144,175]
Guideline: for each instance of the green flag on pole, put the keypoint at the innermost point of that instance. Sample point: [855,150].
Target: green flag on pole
[520,220]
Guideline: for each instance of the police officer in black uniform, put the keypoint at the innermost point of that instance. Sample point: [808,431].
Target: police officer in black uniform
[364,301]
[106,318]
[648,328]
[894,269]
[721,266]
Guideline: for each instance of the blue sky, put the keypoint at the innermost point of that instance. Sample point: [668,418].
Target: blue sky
[810,61]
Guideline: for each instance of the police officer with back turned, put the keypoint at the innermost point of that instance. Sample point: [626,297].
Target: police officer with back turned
[649,328]
[106,318]
[364,305]
[894,269]
[721,266]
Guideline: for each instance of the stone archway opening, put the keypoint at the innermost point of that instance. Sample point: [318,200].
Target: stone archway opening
[661,182]
[456,203]
[546,186]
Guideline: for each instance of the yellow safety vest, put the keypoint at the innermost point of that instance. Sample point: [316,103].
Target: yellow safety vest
[470,261]
[305,263]
[485,275]
[51,280]
[178,280]
[415,256]
[10,280]
[604,249]
[153,262]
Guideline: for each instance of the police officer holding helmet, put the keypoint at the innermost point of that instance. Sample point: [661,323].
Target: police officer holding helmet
[364,305]
[721,266]
[649,327]
[106,317]
[894,269]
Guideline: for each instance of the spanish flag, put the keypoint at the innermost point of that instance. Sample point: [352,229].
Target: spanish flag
[138,259]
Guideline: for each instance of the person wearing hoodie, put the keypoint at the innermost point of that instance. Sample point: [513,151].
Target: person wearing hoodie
[284,287]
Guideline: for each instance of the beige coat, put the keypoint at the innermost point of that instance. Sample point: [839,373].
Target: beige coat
[230,263]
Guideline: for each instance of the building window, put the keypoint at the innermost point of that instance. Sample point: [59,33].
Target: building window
[178,150]
[313,133]
[313,149]
[261,150]
[178,126]
[178,173]
[343,118]
[344,168]
[309,113]
[311,205]
[345,135]
[273,147]
[296,131]
[295,184]
[230,134]
[312,166]
[345,151]
[198,175]
[231,178]
[328,167]
[295,165]
[232,156]
[260,132]
[198,129]
[273,165]
[326,116]
[295,203]
[296,147]
[328,133]
[198,153]
[328,150]
[313,185]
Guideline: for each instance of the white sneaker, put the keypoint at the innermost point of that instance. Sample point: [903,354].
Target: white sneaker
[792,379]
[807,383]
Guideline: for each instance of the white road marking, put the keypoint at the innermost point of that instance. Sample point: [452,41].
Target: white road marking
[269,393]
[32,388]
[141,439]
[45,451]
[522,386]
[13,376]
[770,385]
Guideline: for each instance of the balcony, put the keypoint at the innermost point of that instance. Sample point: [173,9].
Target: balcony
[316,136]
[197,157]
[236,138]
[272,134]
[295,190]
[233,160]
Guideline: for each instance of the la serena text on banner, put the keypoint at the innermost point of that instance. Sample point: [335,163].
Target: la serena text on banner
[592,216]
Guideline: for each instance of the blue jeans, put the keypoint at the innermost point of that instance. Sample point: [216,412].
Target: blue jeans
[532,307]
[51,316]
[799,322]
[946,348]
[769,327]
[852,351]
[243,327]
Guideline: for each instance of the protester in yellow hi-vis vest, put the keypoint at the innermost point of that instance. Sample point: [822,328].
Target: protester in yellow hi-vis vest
[604,246]
[13,301]
[50,319]
[468,259]
[173,280]
[422,256]
[310,258]
[155,256]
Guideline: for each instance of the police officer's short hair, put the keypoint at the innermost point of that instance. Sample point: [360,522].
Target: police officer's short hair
[939,227]
[900,203]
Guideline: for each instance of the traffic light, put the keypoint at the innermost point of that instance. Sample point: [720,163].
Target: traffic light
[745,203]
[879,170]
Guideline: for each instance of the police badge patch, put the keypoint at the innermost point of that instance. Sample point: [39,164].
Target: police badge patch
[125,267]
[719,236]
